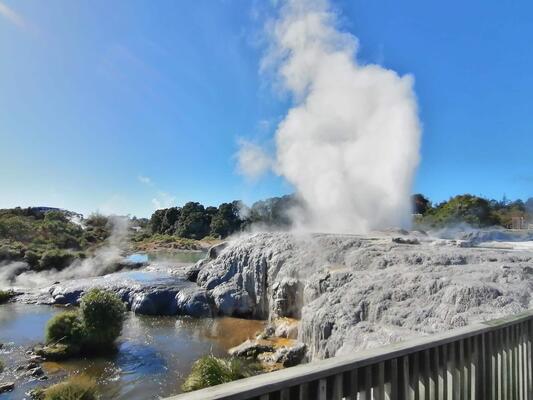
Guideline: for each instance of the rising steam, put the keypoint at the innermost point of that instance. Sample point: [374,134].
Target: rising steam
[350,145]
[18,275]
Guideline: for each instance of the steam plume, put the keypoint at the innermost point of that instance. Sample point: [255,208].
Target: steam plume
[350,145]
[99,264]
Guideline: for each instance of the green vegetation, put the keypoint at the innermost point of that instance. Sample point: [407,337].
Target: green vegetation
[48,239]
[102,314]
[5,295]
[92,329]
[65,327]
[78,387]
[1,366]
[194,221]
[210,371]
[473,210]
[158,241]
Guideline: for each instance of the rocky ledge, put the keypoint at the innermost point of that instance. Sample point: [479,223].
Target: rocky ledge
[348,292]
[354,292]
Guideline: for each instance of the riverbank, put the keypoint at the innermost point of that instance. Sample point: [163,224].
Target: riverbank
[158,242]
[154,354]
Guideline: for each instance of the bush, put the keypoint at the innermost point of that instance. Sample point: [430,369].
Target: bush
[1,366]
[102,314]
[5,295]
[76,388]
[55,259]
[211,371]
[65,327]
[32,258]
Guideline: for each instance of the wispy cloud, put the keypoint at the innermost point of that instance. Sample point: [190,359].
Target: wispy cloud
[14,17]
[145,180]
[163,200]
[252,160]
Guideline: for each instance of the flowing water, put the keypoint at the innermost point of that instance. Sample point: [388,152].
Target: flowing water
[154,355]
[167,257]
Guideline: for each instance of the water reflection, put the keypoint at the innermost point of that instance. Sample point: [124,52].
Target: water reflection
[154,353]
[167,257]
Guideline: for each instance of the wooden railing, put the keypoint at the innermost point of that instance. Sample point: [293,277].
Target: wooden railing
[485,361]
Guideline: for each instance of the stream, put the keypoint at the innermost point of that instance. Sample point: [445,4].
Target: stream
[154,354]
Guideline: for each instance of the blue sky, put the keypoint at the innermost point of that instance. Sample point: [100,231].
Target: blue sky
[127,105]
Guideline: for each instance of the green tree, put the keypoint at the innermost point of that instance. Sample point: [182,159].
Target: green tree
[226,220]
[193,222]
[420,204]
[466,208]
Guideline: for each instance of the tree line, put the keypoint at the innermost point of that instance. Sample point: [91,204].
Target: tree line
[476,211]
[195,221]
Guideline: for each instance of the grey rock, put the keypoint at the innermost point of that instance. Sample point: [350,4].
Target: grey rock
[194,302]
[251,349]
[215,250]
[287,296]
[401,240]
[363,291]
[161,301]
[35,372]
[144,292]
[32,365]
[7,387]
[290,356]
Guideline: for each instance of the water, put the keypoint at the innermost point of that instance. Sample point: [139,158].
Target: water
[154,355]
[167,257]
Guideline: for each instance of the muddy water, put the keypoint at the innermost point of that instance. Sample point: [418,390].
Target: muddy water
[154,355]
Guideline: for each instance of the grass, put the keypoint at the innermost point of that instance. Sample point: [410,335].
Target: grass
[90,330]
[210,371]
[5,295]
[78,387]
[169,242]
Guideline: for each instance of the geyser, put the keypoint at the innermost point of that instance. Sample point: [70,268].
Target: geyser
[350,144]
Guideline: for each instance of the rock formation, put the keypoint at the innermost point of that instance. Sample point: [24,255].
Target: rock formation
[354,292]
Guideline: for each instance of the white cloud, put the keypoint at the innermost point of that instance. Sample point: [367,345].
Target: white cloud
[252,160]
[145,180]
[13,17]
[163,200]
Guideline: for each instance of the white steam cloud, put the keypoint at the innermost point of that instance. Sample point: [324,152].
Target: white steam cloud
[252,160]
[17,274]
[350,145]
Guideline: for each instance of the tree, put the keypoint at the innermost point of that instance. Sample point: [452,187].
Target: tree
[466,208]
[193,222]
[170,218]
[156,220]
[420,204]
[227,220]
[273,211]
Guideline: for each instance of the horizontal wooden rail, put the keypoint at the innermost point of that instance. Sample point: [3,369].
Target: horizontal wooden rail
[483,361]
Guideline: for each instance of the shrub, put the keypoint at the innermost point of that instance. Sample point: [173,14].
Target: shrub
[65,327]
[76,388]
[210,371]
[9,253]
[5,295]
[55,259]
[32,258]
[102,314]
[1,366]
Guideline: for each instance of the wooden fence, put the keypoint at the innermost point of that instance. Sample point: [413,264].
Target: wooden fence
[485,361]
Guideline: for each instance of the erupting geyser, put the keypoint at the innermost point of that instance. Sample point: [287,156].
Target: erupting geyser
[350,145]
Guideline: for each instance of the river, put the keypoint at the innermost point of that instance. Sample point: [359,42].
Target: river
[154,354]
